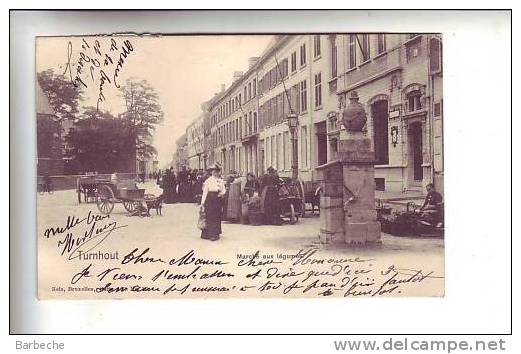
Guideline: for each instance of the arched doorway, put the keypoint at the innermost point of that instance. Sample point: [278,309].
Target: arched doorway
[415,153]
[380,114]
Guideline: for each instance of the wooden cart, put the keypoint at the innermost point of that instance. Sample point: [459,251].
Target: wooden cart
[108,194]
[291,202]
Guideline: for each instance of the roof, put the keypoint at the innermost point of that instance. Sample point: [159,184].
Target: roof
[276,42]
[42,102]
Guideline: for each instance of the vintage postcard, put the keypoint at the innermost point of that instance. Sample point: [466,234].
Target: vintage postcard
[224,166]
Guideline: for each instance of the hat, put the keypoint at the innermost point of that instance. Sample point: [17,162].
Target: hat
[215,166]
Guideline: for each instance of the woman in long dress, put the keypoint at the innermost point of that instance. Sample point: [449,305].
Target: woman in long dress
[270,194]
[211,203]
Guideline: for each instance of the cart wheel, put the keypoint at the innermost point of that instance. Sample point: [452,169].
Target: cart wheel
[130,206]
[105,200]
[293,218]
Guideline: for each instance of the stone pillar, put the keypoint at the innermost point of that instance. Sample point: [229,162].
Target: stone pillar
[357,158]
[331,203]
[347,205]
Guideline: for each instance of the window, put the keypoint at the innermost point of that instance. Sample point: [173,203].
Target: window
[295,98]
[240,127]
[366,47]
[379,184]
[249,123]
[285,147]
[249,90]
[304,146]
[352,51]
[279,151]
[382,46]
[334,60]
[435,54]
[254,87]
[412,51]
[268,151]
[273,152]
[240,97]
[283,68]
[293,61]
[318,90]
[316,46]
[255,122]
[303,96]
[414,101]
[303,54]
[437,109]
[245,95]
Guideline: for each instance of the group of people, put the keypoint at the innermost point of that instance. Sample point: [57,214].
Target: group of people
[215,192]
[184,186]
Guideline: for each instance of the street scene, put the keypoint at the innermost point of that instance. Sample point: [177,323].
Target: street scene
[316,171]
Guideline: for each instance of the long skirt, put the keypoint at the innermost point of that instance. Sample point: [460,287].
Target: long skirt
[272,206]
[233,207]
[213,209]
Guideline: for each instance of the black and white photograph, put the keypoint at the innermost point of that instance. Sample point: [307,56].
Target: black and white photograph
[331,180]
[282,165]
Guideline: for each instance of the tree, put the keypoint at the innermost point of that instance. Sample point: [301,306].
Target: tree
[103,145]
[63,96]
[90,112]
[143,112]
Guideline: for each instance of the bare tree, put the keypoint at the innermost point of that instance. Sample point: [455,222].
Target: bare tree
[144,113]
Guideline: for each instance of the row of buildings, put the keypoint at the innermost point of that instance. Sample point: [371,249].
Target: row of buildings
[398,78]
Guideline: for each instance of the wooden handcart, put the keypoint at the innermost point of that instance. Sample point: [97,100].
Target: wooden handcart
[132,198]
[290,199]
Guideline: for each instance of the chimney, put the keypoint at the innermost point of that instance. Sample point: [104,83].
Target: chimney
[237,75]
[252,61]
[223,87]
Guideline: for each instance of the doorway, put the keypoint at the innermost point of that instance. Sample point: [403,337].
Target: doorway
[416,150]
[321,134]
[380,113]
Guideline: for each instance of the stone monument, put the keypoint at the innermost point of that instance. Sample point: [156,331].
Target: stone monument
[353,174]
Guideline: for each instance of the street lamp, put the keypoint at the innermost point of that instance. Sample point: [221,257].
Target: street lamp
[292,121]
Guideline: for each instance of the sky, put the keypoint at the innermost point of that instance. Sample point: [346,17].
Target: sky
[185,71]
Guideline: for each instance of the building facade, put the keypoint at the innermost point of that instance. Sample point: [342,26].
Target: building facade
[398,78]
[180,158]
[195,143]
